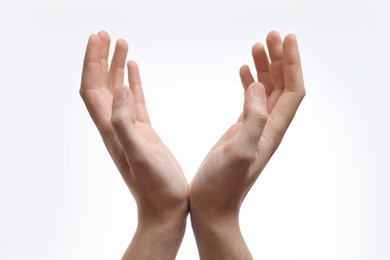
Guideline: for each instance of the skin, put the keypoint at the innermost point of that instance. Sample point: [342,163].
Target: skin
[148,168]
[153,175]
[237,159]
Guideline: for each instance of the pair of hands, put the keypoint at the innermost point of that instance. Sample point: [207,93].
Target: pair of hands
[152,173]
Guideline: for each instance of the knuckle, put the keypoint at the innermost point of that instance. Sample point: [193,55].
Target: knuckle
[240,153]
[261,119]
[302,93]
[82,93]
[117,119]
[245,157]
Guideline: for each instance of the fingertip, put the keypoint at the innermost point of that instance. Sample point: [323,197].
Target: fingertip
[120,54]
[132,65]
[94,39]
[255,97]
[93,51]
[257,48]
[244,69]
[122,44]
[246,76]
[290,39]
[102,32]
[257,90]
[121,93]
[104,36]
[273,37]
[290,50]
[93,36]
[273,33]
[132,68]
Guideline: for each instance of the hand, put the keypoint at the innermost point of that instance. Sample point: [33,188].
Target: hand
[150,171]
[237,159]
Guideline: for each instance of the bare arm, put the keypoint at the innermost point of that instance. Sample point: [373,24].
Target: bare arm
[237,159]
[148,168]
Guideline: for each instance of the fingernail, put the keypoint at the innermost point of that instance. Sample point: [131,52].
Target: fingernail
[121,93]
[258,92]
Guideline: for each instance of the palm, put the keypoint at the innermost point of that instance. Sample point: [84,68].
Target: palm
[97,89]
[228,170]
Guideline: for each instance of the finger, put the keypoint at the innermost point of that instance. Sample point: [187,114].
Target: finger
[294,91]
[246,80]
[123,121]
[246,76]
[105,38]
[262,65]
[136,89]
[255,114]
[91,69]
[118,62]
[293,78]
[275,50]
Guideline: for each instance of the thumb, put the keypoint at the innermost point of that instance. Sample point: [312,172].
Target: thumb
[255,113]
[123,119]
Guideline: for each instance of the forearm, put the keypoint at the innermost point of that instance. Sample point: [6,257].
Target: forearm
[156,241]
[219,238]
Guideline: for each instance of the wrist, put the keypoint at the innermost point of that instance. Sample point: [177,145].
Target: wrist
[159,233]
[169,215]
[164,224]
[215,225]
[218,236]
[157,240]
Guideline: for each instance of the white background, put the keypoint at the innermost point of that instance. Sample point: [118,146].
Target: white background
[324,195]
